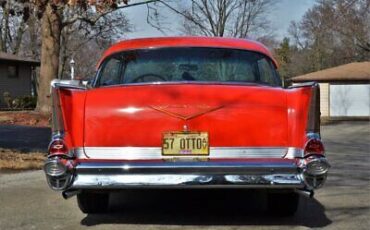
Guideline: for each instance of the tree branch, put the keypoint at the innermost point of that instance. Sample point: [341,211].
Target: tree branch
[92,21]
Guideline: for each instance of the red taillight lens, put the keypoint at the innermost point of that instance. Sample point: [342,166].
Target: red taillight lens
[58,147]
[314,146]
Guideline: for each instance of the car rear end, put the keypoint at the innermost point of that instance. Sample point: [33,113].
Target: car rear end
[185,134]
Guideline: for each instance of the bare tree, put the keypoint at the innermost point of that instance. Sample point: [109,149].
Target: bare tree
[84,42]
[331,33]
[50,22]
[13,18]
[53,20]
[233,18]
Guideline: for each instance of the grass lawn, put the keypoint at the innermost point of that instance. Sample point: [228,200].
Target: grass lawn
[15,160]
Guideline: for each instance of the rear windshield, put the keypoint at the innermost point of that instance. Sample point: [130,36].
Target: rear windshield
[187,65]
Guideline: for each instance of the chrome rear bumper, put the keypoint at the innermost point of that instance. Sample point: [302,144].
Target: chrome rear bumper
[250,174]
[307,173]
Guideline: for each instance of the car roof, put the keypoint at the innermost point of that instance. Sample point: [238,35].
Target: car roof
[164,42]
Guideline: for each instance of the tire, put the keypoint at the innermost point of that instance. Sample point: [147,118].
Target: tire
[90,202]
[282,204]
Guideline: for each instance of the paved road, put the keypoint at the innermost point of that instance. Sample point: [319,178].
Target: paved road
[344,203]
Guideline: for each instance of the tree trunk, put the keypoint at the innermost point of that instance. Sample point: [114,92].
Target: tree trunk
[19,37]
[51,27]
[4,30]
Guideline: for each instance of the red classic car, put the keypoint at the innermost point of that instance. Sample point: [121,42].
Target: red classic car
[185,112]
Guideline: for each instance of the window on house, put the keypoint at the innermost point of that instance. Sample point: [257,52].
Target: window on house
[13,71]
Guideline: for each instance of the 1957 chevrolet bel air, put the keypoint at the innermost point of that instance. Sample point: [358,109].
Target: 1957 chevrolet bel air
[185,112]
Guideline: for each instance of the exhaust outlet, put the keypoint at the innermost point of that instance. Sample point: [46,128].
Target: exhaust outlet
[70,193]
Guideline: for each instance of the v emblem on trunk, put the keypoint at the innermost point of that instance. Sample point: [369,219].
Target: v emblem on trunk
[185,112]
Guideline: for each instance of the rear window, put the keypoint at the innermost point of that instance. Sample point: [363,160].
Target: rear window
[187,65]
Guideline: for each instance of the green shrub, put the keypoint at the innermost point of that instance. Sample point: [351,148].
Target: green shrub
[7,99]
[26,102]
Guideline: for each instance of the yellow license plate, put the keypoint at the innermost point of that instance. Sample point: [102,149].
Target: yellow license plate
[185,143]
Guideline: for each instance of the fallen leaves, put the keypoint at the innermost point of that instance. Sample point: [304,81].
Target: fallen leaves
[28,118]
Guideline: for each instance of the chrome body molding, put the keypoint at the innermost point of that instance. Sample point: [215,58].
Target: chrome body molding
[70,84]
[303,84]
[293,153]
[250,174]
[313,119]
[57,116]
[154,153]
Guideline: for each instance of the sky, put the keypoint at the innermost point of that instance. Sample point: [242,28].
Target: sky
[281,15]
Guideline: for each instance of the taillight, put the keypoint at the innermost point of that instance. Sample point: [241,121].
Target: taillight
[54,167]
[314,147]
[58,147]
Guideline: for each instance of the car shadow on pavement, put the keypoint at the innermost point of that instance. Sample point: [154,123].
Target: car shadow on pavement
[24,138]
[203,207]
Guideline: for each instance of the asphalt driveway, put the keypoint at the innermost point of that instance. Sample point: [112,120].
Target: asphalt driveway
[344,202]
[24,138]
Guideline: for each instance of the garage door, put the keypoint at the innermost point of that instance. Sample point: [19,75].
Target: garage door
[349,100]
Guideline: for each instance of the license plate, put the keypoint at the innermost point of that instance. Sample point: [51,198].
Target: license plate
[185,143]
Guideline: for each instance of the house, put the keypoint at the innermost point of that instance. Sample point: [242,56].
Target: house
[17,75]
[344,90]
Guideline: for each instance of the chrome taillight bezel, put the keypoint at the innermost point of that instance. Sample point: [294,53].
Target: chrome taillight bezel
[308,151]
[57,147]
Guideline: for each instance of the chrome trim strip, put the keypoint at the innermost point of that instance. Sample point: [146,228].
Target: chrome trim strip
[215,167]
[313,119]
[294,153]
[303,84]
[57,116]
[70,84]
[150,153]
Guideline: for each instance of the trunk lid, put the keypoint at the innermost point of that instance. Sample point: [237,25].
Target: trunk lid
[233,115]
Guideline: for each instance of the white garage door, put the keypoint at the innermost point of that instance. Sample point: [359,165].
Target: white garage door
[349,100]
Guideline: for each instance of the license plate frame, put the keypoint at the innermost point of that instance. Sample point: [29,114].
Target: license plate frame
[185,144]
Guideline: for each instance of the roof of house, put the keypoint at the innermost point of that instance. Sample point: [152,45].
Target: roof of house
[356,71]
[161,42]
[15,58]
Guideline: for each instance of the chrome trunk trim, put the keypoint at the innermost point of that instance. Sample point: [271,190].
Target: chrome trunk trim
[153,153]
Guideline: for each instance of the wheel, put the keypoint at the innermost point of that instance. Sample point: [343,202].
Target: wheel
[282,203]
[90,202]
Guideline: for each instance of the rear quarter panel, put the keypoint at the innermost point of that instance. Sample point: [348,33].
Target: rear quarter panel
[284,112]
[72,104]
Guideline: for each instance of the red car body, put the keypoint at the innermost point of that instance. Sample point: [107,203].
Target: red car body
[112,137]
